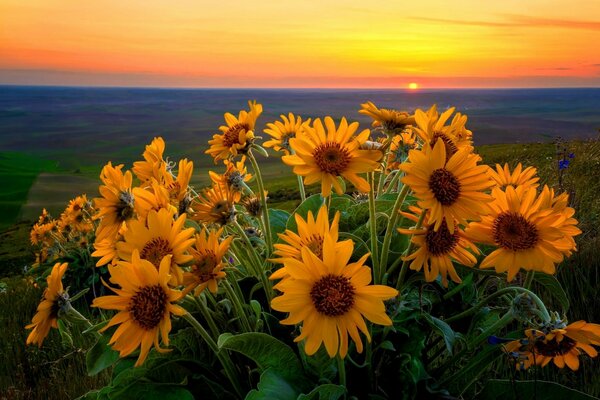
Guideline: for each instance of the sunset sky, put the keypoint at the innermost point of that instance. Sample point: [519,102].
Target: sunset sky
[278,43]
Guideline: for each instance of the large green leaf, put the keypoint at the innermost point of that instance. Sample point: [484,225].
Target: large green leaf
[273,387]
[278,220]
[554,287]
[443,329]
[327,391]
[100,356]
[504,389]
[267,352]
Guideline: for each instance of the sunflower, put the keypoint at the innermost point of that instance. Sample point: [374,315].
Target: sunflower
[215,205]
[117,203]
[324,153]
[431,127]
[77,216]
[518,177]
[235,177]
[157,237]
[392,121]
[237,135]
[106,249]
[153,165]
[178,188]
[437,250]
[41,234]
[453,190]
[400,145]
[282,132]
[145,304]
[560,344]
[48,309]
[527,230]
[330,297]
[153,197]
[207,264]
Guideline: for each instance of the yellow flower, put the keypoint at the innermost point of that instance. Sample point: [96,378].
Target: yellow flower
[235,177]
[47,311]
[563,345]
[215,205]
[237,134]
[527,230]
[282,132]
[392,121]
[330,297]
[207,264]
[519,177]
[153,165]
[77,216]
[145,304]
[178,188]
[437,250]
[106,248]
[154,197]
[41,234]
[157,237]
[401,144]
[117,202]
[325,153]
[452,190]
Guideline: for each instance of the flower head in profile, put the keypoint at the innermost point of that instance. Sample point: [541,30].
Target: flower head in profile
[144,302]
[206,268]
[178,188]
[400,145]
[531,231]
[156,237]
[330,297]
[153,166]
[46,316]
[324,153]
[390,120]
[454,191]
[437,250]
[561,344]
[117,203]
[518,177]
[215,205]
[235,177]
[282,131]
[237,135]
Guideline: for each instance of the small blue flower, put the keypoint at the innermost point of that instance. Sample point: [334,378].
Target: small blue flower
[571,155]
[497,340]
[563,164]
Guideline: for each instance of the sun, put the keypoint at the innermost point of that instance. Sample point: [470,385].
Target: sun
[413,86]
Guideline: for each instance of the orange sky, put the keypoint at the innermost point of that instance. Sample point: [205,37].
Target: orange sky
[279,43]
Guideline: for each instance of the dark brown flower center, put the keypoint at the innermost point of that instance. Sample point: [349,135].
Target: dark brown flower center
[512,231]
[204,266]
[445,186]
[147,307]
[332,158]
[232,136]
[440,242]
[155,250]
[315,244]
[553,348]
[451,148]
[333,295]
[253,206]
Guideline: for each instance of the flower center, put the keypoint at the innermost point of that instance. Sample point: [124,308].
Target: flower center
[333,295]
[332,158]
[125,206]
[315,244]
[451,148]
[155,250]
[553,348]
[232,136]
[512,231]
[204,266]
[445,186]
[147,307]
[442,241]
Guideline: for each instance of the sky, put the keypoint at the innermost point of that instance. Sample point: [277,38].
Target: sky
[304,44]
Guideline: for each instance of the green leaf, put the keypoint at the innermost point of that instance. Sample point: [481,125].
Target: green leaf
[312,203]
[475,366]
[152,391]
[554,287]
[65,335]
[267,352]
[278,220]
[272,387]
[100,356]
[504,389]
[443,329]
[327,391]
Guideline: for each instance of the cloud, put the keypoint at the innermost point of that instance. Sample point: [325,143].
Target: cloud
[525,21]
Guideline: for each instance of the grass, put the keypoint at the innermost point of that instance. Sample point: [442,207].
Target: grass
[31,373]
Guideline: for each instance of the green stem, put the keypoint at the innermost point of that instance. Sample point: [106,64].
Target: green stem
[301,187]
[341,370]
[528,279]
[389,231]
[387,146]
[263,200]
[75,316]
[373,227]
[404,267]
[222,356]
[239,309]
[393,182]
[207,316]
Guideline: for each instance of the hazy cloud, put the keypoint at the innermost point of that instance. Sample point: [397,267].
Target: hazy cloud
[526,21]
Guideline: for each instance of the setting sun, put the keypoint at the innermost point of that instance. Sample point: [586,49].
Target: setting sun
[413,86]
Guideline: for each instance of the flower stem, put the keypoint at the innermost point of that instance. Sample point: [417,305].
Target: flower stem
[237,305]
[389,231]
[404,267]
[206,314]
[341,370]
[263,200]
[528,279]
[387,146]
[301,187]
[393,182]
[373,227]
